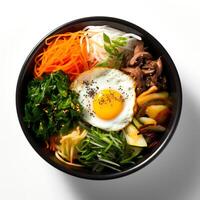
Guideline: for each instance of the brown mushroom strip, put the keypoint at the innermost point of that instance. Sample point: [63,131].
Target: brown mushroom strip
[148,71]
[159,67]
[139,47]
[139,53]
[158,71]
[143,54]
[155,128]
[149,68]
[137,74]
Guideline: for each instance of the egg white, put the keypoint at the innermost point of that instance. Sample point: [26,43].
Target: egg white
[93,81]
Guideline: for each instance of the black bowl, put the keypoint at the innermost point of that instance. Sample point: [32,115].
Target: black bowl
[155,48]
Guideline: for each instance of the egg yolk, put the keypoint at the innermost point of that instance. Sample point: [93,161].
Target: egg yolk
[108,104]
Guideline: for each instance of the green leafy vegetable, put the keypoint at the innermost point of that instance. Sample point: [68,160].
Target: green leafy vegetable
[101,149]
[106,38]
[112,47]
[51,107]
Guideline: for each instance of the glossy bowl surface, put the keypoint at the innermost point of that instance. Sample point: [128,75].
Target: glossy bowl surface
[154,47]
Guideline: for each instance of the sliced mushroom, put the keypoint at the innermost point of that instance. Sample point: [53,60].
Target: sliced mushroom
[137,74]
[134,72]
[148,71]
[148,68]
[158,70]
[142,54]
[139,54]
[159,67]
[139,47]
[153,144]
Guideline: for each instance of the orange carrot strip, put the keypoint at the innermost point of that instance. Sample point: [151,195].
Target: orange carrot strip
[67,52]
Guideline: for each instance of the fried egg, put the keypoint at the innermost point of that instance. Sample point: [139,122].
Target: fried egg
[107,97]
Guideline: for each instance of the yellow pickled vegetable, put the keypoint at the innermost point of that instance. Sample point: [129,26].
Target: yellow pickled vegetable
[149,91]
[137,123]
[153,110]
[145,98]
[66,149]
[147,121]
[133,137]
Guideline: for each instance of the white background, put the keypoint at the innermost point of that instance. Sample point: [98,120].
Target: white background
[174,175]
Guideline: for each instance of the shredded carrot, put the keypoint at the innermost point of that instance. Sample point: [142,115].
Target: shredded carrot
[53,140]
[67,52]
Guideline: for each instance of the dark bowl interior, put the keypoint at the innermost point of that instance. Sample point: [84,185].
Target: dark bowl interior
[154,47]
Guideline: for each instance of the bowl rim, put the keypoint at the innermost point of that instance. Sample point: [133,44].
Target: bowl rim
[154,154]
